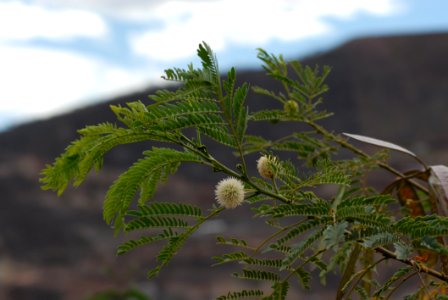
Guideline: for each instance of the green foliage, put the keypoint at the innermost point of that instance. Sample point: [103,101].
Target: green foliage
[130,294]
[320,209]
[334,234]
[86,153]
[280,291]
[144,175]
[241,295]
[145,240]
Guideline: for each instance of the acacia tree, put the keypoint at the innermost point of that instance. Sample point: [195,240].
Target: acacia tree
[353,232]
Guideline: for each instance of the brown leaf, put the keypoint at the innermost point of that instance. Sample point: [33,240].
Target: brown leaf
[409,198]
[438,182]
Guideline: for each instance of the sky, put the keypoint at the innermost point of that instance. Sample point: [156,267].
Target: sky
[57,55]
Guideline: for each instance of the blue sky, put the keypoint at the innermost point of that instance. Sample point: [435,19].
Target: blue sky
[56,55]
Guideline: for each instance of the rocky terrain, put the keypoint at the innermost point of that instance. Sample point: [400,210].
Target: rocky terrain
[393,88]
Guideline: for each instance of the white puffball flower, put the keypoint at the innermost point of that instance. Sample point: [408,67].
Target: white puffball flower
[229,192]
[264,166]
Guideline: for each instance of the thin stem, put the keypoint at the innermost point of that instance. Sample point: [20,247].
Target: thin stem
[401,283]
[228,117]
[274,183]
[282,66]
[361,275]
[304,263]
[192,230]
[277,234]
[243,160]
[204,219]
[423,283]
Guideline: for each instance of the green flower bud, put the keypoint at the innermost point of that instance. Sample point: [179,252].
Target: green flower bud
[291,107]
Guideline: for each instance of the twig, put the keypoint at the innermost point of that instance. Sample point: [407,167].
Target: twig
[410,262]
[401,282]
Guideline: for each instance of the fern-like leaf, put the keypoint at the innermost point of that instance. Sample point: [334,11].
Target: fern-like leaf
[302,228]
[176,242]
[432,225]
[288,210]
[167,253]
[209,62]
[241,295]
[86,153]
[269,115]
[373,220]
[334,234]
[122,192]
[166,208]
[304,277]
[230,257]
[366,200]
[253,143]
[280,290]
[233,242]
[155,222]
[257,275]
[271,94]
[219,134]
[183,114]
[145,240]
[381,239]
[239,112]
[327,175]
[297,250]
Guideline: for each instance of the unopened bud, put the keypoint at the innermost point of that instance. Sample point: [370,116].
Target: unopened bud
[291,107]
[264,166]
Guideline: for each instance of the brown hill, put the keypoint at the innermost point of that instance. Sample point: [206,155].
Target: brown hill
[392,88]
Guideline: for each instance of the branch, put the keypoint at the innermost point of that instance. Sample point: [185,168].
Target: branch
[190,145]
[410,262]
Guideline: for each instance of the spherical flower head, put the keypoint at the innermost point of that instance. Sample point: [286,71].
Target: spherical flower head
[229,192]
[264,166]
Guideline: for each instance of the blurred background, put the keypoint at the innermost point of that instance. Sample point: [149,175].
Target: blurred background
[62,62]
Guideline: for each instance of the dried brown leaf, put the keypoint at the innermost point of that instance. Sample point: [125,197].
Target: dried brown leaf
[384,144]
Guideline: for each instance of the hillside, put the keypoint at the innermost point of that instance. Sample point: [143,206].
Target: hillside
[393,88]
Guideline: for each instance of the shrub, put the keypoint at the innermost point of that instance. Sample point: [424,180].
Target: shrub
[352,232]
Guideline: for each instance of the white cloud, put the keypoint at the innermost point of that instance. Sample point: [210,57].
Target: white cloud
[249,22]
[40,82]
[19,21]
[131,10]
